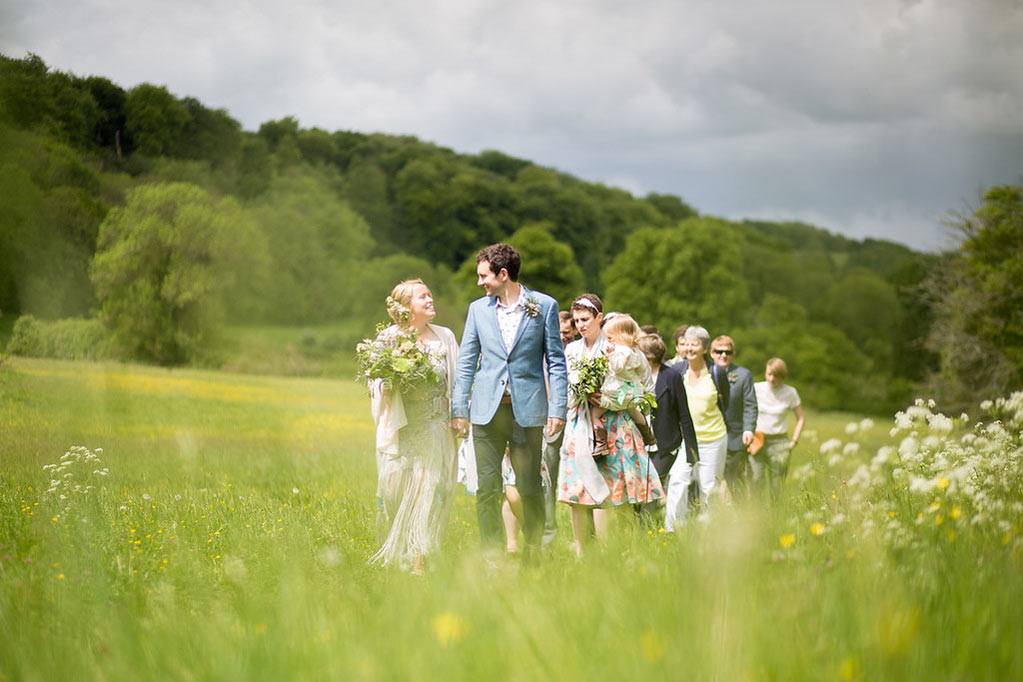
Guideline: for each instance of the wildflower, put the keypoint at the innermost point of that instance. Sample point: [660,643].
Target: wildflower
[449,627]
[803,472]
[818,529]
[787,540]
[329,556]
[294,491]
[830,445]
[941,483]
[652,645]
[852,428]
[954,513]
[848,670]
[147,497]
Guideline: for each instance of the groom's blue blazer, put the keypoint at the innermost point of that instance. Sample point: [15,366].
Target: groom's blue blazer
[485,366]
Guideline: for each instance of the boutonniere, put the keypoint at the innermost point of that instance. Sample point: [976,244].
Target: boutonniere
[532,306]
[733,377]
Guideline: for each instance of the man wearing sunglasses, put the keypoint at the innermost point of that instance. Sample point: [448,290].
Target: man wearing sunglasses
[740,413]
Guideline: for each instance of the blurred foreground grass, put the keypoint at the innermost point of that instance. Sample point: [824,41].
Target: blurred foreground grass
[229,541]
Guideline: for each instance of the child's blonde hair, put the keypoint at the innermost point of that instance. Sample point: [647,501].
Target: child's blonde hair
[622,330]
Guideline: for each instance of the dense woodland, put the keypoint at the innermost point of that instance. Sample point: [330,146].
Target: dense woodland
[138,224]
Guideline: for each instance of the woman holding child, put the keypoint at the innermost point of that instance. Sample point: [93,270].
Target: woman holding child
[603,460]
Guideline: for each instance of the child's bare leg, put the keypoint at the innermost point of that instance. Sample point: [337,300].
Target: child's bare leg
[511,510]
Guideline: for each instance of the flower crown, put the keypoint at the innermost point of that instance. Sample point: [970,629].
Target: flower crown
[398,312]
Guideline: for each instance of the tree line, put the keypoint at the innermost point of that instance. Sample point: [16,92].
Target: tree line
[156,220]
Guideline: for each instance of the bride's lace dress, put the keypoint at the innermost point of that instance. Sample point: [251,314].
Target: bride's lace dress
[414,487]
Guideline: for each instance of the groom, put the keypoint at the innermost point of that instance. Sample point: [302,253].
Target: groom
[508,335]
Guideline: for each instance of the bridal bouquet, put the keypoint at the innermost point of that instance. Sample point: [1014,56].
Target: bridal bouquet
[394,357]
[591,374]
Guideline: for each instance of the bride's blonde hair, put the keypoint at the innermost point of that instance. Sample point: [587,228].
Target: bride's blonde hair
[399,303]
[623,329]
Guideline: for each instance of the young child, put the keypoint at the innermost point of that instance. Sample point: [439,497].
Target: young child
[627,380]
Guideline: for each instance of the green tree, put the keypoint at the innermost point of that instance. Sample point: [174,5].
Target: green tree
[671,206]
[378,276]
[110,127]
[978,326]
[446,210]
[24,94]
[827,368]
[691,273]
[548,265]
[866,309]
[317,244]
[165,262]
[365,188]
[155,120]
[209,134]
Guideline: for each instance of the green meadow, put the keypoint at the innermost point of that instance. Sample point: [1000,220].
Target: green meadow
[227,532]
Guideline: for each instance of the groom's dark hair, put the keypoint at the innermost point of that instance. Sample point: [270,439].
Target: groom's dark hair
[501,256]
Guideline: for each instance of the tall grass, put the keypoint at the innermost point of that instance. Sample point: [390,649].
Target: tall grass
[229,537]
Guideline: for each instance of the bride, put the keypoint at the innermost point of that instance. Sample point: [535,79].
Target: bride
[415,447]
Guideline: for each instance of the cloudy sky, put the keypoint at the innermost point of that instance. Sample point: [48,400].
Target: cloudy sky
[870,118]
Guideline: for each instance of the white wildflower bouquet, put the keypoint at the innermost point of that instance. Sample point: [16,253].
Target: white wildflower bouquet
[394,357]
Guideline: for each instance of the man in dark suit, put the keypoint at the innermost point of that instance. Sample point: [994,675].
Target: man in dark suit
[740,412]
[672,422]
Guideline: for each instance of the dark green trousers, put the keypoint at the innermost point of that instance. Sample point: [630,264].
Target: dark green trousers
[523,444]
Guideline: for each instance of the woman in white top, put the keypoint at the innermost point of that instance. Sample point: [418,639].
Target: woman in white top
[415,446]
[775,399]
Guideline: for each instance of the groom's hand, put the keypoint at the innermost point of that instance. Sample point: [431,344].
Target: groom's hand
[554,426]
[460,426]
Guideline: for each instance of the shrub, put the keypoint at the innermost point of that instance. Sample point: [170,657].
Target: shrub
[70,339]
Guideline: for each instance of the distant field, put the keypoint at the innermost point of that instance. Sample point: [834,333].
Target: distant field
[229,540]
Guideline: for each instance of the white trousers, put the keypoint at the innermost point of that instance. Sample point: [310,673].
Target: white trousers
[710,469]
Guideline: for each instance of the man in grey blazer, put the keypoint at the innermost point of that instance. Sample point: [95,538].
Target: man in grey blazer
[740,413]
[509,333]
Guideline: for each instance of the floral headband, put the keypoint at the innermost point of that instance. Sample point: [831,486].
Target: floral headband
[586,303]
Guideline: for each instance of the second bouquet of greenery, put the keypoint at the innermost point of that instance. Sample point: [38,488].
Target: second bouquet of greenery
[591,373]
